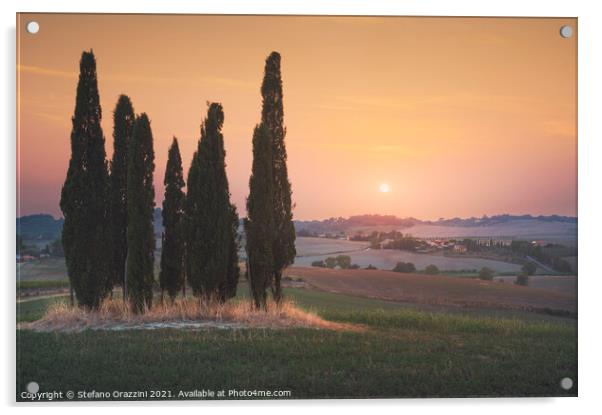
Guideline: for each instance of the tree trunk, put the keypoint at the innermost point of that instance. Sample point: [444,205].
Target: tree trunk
[125,276]
[184,276]
[277,287]
[249,277]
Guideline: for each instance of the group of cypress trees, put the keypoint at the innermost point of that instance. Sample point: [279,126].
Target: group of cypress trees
[269,225]
[108,233]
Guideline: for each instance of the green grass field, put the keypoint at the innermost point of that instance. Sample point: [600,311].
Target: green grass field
[402,353]
[33,310]
[24,288]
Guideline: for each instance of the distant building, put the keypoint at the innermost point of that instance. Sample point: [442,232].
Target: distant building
[461,249]
[24,258]
[539,243]
[492,242]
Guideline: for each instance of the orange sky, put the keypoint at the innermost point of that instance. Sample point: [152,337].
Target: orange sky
[460,116]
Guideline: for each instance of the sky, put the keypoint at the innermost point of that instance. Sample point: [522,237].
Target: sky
[455,117]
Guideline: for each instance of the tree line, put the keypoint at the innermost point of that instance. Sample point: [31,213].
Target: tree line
[108,234]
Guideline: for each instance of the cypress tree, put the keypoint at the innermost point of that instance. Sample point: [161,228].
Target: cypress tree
[84,196]
[259,225]
[228,287]
[192,212]
[140,208]
[211,245]
[123,126]
[171,277]
[272,116]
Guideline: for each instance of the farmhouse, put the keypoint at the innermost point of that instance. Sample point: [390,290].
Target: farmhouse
[460,248]
[24,258]
[539,243]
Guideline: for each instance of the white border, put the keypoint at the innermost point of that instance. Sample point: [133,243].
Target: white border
[590,189]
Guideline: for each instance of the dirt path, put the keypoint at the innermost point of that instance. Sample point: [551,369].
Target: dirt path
[39,297]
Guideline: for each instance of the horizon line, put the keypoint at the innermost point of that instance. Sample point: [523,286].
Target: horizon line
[535,216]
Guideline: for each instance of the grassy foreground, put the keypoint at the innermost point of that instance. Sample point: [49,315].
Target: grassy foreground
[402,353]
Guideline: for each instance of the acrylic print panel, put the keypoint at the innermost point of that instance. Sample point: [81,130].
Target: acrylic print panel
[285,207]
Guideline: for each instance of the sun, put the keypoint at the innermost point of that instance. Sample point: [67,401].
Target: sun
[384,188]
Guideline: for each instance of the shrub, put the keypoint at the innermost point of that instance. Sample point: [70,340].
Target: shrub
[405,267]
[431,270]
[370,266]
[486,274]
[319,264]
[522,279]
[344,261]
[331,262]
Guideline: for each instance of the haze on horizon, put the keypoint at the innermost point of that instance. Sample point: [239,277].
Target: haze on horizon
[458,117]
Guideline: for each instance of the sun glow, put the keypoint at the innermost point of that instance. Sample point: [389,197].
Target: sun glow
[384,188]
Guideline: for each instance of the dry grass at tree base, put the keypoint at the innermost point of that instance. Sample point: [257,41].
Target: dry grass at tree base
[114,314]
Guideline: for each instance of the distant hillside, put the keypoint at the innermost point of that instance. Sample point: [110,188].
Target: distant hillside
[39,227]
[500,219]
[45,227]
[336,225]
